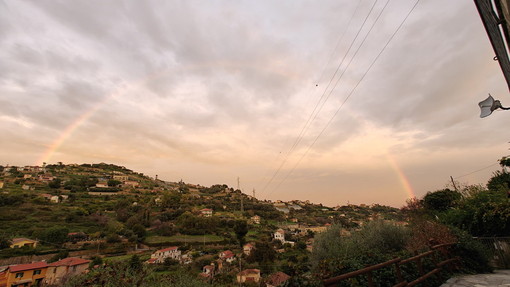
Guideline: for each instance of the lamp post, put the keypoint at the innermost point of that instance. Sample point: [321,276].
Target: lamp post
[489,105]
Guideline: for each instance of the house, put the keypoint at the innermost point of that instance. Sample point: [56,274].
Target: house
[55,199]
[227,255]
[255,219]
[277,279]
[248,275]
[102,184]
[46,178]
[279,235]
[186,259]
[170,252]
[22,242]
[1,184]
[65,268]
[247,249]
[208,269]
[131,183]
[27,176]
[207,212]
[31,274]
[121,177]
[25,187]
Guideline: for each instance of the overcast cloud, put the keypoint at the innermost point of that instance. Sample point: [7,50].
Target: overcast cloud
[208,91]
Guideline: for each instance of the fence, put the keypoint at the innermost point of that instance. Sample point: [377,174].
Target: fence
[438,252]
[499,248]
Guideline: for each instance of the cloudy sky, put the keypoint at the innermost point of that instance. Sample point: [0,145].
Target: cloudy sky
[293,97]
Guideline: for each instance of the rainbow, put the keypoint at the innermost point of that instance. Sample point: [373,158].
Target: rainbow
[57,143]
[402,177]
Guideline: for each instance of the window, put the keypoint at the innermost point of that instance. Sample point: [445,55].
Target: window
[74,268]
[19,275]
[37,272]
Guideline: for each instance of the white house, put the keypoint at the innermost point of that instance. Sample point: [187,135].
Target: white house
[227,255]
[279,235]
[159,255]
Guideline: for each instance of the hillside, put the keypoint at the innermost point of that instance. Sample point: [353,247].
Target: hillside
[107,210]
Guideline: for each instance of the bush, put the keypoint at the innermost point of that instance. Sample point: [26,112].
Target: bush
[474,255]
[377,242]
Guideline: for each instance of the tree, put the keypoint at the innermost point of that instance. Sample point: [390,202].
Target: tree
[114,182]
[140,231]
[500,181]
[55,235]
[4,242]
[95,260]
[135,263]
[441,200]
[241,229]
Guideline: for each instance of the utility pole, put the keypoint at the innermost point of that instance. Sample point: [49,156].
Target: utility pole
[454,185]
[253,193]
[241,195]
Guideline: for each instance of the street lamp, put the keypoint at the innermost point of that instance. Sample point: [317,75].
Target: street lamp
[489,105]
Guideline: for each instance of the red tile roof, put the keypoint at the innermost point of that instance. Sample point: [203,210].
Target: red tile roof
[277,278]
[248,272]
[30,266]
[167,249]
[227,254]
[70,261]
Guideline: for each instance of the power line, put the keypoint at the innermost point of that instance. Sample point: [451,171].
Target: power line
[338,43]
[478,170]
[351,92]
[313,114]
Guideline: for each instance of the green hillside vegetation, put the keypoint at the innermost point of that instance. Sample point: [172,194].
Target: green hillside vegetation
[112,211]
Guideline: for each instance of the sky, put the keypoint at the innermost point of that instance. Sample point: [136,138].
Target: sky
[335,102]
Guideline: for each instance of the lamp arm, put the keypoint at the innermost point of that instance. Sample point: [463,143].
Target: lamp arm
[503,108]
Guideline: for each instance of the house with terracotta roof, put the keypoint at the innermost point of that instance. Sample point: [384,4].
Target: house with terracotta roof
[227,255]
[25,275]
[207,212]
[65,268]
[22,242]
[248,275]
[160,255]
[277,279]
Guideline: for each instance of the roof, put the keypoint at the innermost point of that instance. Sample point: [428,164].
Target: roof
[227,254]
[16,240]
[277,278]
[152,260]
[70,261]
[249,245]
[206,209]
[249,271]
[30,266]
[167,249]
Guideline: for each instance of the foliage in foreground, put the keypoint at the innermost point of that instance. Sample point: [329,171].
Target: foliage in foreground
[133,273]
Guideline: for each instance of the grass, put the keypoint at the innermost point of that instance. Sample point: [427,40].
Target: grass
[183,238]
[127,257]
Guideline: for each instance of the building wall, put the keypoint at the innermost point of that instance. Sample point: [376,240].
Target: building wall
[56,274]
[22,243]
[27,274]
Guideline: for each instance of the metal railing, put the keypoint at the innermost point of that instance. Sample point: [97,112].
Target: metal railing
[499,248]
[437,253]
